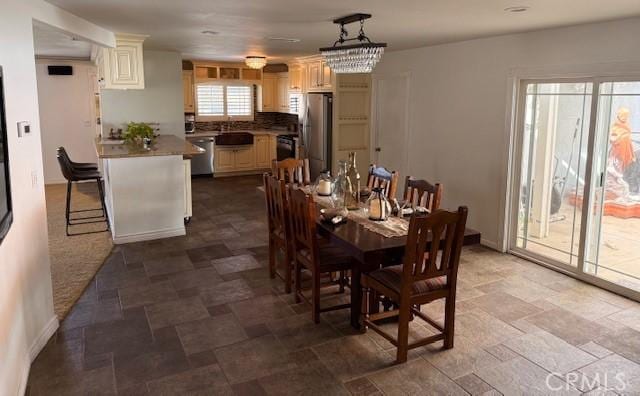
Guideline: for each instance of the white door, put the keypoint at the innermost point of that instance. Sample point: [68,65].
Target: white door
[392,123]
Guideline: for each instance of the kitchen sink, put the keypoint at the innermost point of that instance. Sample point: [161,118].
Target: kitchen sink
[234,139]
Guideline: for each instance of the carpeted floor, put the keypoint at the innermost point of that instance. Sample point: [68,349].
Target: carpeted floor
[74,259]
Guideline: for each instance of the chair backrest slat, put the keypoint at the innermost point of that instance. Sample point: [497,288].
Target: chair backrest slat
[292,170]
[445,232]
[276,204]
[380,177]
[422,193]
[302,214]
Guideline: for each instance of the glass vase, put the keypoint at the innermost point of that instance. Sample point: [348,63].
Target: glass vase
[340,185]
[352,189]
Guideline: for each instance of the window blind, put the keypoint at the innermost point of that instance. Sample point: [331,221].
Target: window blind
[239,100]
[210,100]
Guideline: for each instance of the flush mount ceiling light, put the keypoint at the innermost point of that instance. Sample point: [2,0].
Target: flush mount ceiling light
[255,62]
[353,58]
[516,9]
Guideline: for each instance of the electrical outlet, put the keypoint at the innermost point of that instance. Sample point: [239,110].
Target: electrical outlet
[24,128]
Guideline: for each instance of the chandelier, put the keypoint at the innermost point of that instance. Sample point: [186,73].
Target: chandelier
[353,58]
[255,62]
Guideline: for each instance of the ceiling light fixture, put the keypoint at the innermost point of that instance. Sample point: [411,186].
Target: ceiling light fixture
[353,58]
[517,9]
[255,62]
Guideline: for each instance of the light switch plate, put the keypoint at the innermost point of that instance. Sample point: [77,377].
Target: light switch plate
[24,128]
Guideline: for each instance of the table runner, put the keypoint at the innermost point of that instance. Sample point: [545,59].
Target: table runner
[390,228]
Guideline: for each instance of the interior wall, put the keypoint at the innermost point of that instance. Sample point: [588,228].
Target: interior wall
[66,116]
[460,105]
[161,100]
[26,303]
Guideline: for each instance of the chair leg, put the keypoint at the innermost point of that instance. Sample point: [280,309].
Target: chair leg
[272,258]
[365,308]
[403,332]
[298,280]
[342,280]
[288,268]
[315,294]
[449,321]
[68,207]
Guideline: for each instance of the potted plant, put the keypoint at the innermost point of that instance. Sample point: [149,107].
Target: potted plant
[138,132]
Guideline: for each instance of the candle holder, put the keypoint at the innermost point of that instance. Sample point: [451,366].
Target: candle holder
[324,184]
[378,205]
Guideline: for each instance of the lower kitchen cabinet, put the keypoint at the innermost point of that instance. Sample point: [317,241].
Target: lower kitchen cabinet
[245,158]
[257,158]
[224,159]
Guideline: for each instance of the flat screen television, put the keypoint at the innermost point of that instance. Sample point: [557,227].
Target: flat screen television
[6,213]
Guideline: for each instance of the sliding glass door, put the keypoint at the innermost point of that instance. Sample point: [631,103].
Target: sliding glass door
[577,145]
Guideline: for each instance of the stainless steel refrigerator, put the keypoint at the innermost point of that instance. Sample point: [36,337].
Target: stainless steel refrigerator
[316,133]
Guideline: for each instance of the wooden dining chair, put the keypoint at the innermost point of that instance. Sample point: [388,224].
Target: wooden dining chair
[292,170]
[312,253]
[279,241]
[422,193]
[421,279]
[383,178]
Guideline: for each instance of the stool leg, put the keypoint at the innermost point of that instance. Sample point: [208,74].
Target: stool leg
[68,207]
[104,207]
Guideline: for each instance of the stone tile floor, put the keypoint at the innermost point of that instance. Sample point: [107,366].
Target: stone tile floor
[199,315]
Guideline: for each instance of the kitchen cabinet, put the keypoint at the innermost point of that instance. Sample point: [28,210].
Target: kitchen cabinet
[122,67]
[254,159]
[245,158]
[188,91]
[295,78]
[319,76]
[224,158]
[275,92]
[265,150]
[283,93]
[234,158]
[270,92]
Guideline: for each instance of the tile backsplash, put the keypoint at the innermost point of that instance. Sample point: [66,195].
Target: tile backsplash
[262,120]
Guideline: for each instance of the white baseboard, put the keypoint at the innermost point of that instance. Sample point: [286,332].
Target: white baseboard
[490,244]
[35,348]
[148,236]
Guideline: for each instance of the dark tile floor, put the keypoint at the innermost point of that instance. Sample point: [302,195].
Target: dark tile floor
[199,315]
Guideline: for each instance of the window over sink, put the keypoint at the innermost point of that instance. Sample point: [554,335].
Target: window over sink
[219,101]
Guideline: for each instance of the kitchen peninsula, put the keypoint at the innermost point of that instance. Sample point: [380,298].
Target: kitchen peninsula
[147,190]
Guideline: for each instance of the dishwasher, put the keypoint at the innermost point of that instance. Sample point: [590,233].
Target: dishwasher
[202,164]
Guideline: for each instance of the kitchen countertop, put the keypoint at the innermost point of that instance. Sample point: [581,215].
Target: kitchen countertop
[272,132]
[163,145]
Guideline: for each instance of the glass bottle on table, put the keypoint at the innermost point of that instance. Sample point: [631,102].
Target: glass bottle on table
[352,188]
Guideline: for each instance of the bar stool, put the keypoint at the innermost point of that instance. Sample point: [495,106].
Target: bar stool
[78,172]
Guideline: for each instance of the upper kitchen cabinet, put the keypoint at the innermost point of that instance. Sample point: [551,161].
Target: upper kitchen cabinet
[122,67]
[319,75]
[295,78]
[206,71]
[188,91]
[275,92]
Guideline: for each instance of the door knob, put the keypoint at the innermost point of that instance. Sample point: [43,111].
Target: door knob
[378,149]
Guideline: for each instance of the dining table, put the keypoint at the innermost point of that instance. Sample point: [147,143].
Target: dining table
[370,249]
